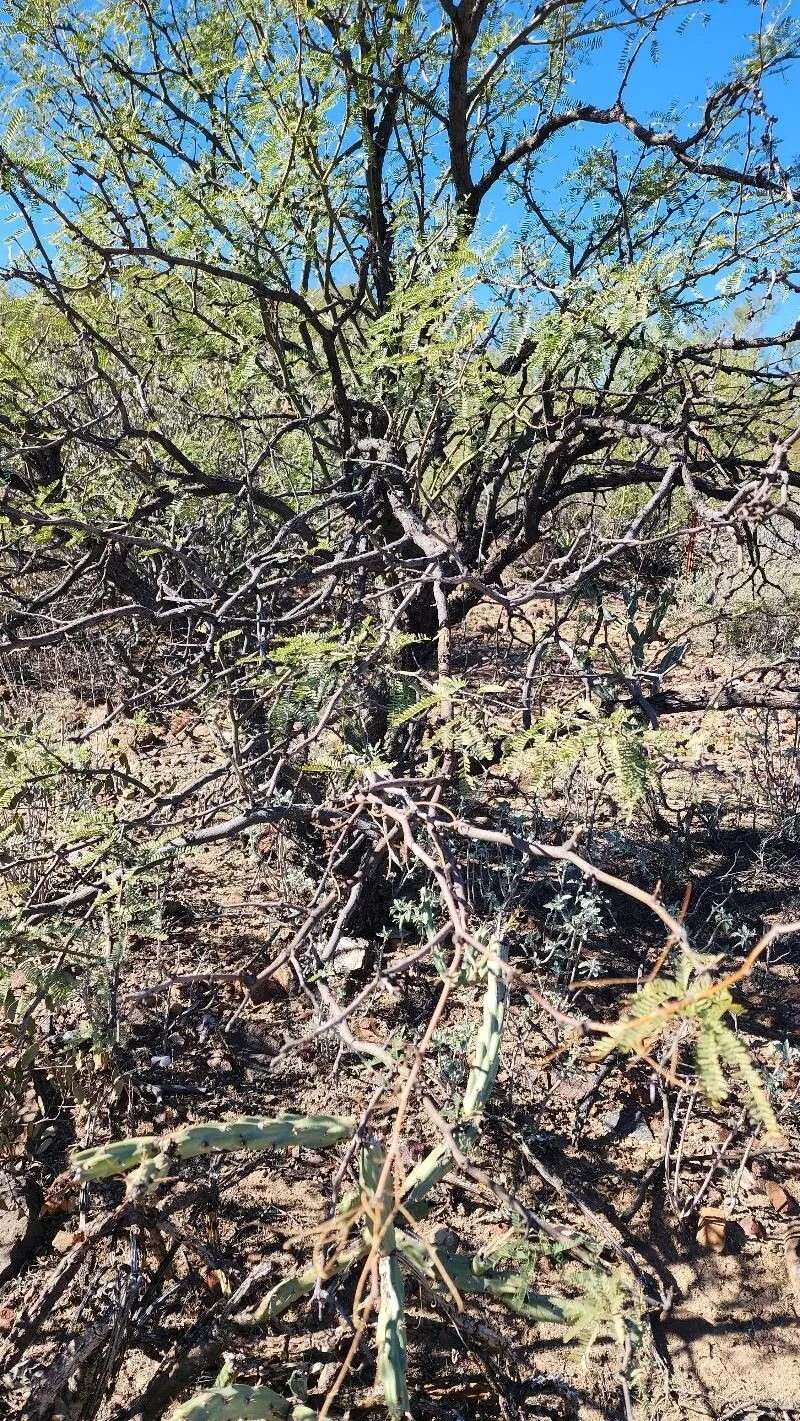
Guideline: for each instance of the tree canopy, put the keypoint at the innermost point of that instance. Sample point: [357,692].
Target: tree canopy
[259,263]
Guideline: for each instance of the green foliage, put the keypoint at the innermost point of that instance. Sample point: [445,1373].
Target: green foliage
[749,625]
[405,702]
[640,638]
[426,318]
[612,750]
[377,1205]
[309,653]
[280,407]
[51,796]
[420,913]
[575,918]
[665,1002]
[621,302]
[288,1291]
[605,1307]
[468,1275]
[424,1177]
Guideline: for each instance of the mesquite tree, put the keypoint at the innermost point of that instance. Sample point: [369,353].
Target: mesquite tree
[306,351]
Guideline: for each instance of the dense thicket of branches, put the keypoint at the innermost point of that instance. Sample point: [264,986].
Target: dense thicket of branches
[271,365]
[262,351]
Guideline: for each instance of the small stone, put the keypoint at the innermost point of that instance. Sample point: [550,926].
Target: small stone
[349,956]
[20,1227]
[66,1239]
[447,1239]
[752,1227]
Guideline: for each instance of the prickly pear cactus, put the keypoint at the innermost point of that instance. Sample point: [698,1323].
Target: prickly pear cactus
[240,1403]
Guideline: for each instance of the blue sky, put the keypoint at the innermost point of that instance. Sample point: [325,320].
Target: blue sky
[697,48]
[714,36]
